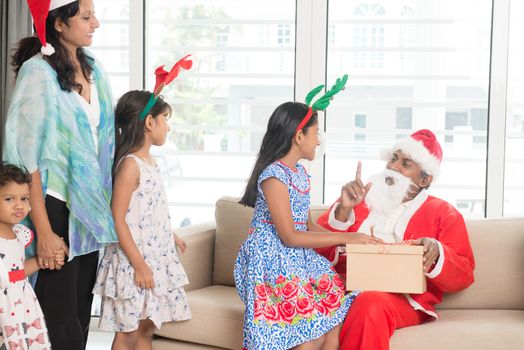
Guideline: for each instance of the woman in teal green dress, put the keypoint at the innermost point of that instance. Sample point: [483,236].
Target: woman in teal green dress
[60,126]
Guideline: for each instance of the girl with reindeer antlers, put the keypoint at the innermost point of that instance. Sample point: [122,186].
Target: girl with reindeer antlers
[140,278]
[294,299]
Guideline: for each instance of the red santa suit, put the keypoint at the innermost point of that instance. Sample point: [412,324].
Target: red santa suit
[424,216]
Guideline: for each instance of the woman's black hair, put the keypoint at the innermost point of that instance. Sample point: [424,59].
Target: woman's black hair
[12,173]
[129,128]
[276,143]
[60,60]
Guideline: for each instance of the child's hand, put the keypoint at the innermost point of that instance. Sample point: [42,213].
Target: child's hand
[180,243]
[59,257]
[362,238]
[144,276]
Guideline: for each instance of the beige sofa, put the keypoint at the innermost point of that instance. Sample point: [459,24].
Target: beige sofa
[487,315]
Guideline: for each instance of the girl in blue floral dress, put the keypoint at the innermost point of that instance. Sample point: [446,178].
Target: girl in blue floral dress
[293,297]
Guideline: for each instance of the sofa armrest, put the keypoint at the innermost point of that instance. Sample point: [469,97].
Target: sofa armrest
[198,258]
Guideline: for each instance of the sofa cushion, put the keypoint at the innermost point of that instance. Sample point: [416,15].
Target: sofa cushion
[498,246]
[465,329]
[232,223]
[217,319]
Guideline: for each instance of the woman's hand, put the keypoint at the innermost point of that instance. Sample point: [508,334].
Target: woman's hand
[47,245]
[180,243]
[144,276]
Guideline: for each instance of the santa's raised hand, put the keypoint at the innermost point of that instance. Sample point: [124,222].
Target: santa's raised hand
[351,194]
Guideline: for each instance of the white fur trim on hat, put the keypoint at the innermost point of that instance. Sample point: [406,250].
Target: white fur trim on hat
[417,152]
[59,3]
[47,50]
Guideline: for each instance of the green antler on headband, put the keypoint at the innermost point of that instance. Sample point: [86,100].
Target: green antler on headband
[323,102]
[313,93]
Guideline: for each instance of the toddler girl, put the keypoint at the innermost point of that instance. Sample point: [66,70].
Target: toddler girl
[21,319]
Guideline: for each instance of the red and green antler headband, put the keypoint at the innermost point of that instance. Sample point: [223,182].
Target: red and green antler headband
[323,102]
[163,78]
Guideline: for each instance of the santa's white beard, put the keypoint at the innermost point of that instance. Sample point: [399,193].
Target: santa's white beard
[387,192]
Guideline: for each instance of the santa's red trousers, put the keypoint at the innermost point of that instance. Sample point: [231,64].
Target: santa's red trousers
[373,318]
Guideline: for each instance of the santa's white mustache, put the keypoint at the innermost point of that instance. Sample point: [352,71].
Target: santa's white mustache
[392,177]
[390,188]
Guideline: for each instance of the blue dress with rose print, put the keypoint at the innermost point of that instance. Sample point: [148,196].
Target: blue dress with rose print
[292,295]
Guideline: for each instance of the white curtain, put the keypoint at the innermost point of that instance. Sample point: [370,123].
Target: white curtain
[15,24]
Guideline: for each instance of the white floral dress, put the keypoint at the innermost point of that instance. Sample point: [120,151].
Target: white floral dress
[123,303]
[21,318]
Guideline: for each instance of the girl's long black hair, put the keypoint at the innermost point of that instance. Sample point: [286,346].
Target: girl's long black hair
[129,129]
[276,143]
[60,60]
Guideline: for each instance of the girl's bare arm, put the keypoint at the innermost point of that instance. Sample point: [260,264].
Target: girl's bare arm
[277,197]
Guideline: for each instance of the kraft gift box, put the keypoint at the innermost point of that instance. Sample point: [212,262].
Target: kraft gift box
[386,268]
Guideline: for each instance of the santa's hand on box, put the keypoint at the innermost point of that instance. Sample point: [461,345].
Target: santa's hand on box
[431,251]
[351,194]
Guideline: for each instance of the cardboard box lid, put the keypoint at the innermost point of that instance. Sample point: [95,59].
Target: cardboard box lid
[385,249]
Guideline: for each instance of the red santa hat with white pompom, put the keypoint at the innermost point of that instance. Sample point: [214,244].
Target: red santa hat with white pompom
[422,147]
[39,10]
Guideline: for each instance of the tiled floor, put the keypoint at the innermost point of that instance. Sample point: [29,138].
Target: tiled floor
[99,340]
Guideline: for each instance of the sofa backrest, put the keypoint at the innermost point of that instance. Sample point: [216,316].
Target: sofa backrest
[498,246]
[232,223]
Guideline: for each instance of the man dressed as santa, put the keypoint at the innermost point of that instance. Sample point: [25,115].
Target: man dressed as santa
[395,207]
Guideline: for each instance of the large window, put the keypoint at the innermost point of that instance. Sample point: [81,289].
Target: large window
[411,65]
[244,63]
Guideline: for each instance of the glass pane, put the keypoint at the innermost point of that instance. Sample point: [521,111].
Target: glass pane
[411,65]
[514,169]
[111,43]
[244,62]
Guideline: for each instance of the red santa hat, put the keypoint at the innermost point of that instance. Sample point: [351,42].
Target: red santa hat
[39,10]
[422,147]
